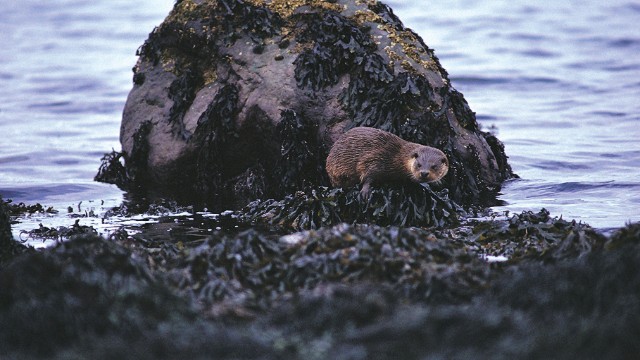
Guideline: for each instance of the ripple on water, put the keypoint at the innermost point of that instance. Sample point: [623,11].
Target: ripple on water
[560,165]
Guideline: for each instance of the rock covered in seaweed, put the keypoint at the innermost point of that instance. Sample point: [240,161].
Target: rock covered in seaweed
[231,98]
[9,248]
[5,224]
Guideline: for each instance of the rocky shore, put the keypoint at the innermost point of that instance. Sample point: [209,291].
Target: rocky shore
[235,105]
[339,292]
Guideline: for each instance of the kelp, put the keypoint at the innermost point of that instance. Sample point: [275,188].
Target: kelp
[257,22]
[628,235]
[396,101]
[282,295]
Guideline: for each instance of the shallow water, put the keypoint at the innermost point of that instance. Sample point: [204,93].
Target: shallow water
[559,81]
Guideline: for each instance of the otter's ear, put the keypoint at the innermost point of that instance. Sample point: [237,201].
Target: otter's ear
[415,155]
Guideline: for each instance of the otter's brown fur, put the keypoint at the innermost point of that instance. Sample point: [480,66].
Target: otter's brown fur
[368,156]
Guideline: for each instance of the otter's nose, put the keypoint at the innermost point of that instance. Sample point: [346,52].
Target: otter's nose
[424,174]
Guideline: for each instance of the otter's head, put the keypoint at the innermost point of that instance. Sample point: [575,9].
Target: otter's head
[428,164]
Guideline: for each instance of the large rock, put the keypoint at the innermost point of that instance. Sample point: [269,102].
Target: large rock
[236,100]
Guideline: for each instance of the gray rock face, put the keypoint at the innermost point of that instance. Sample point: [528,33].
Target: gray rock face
[234,100]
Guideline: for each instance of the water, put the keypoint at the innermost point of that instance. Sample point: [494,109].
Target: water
[65,70]
[559,80]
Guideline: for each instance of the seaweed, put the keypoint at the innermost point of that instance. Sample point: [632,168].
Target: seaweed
[386,14]
[398,205]
[176,39]
[128,171]
[330,45]
[400,103]
[215,130]
[61,233]
[351,291]
[136,162]
[497,148]
[536,237]
[21,208]
[112,170]
[5,223]
[257,22]
[254,183]
[377,101]
[628,235]
[134,206]
[310,209]
[338,45]
[182,91]
[56,287]
[465,116]
[302,156]
[9,248]
[256,269]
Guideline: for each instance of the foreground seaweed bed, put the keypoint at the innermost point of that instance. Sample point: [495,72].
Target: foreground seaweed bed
[343,292]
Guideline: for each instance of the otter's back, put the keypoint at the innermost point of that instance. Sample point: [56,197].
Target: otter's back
[357,151]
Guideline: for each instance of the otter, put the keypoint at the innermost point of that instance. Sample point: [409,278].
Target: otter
[367,156]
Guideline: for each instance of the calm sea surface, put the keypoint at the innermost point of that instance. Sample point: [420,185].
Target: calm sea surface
[561,82]
[558,81]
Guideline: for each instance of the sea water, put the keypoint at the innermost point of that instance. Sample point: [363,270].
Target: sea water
[559,82]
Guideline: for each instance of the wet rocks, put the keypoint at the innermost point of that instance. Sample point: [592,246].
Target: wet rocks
[224,90]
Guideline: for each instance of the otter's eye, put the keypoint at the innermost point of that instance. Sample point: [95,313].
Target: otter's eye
[433,167]
[418,165]
[415,155]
